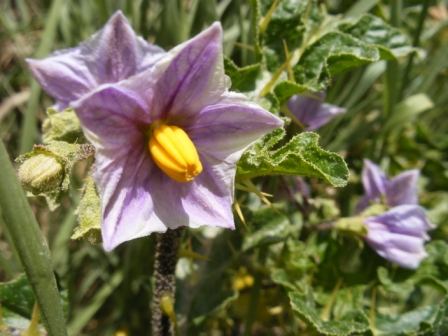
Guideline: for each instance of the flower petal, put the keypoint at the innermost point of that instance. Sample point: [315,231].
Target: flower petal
[402,189]
[205,201]
[191,77]
[403,250]
[115,53]
[123,179]
[230,126]
[114,115]
[405,219]
[110,55]
[139,199]
[312,111]
[63,75]
[375,184]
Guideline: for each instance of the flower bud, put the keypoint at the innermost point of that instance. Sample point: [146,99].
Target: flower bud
[41,173]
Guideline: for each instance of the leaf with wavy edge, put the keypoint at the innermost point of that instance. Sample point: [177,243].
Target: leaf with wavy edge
[300,156]
[370,29]
[304,306]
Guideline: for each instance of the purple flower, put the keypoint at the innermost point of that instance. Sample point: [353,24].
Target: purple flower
[399,235]
[400,190]
[312,112]
[168,140]
[112,54]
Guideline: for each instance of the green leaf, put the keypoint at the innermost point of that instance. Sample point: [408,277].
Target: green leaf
[293,281]
[404,287]
[440,325]
[285,22]
[374,31]
[274,228]
[304,306]
[403,323]
[243,79]
[367,40]
[285,90]
[300,156]
[331,54]
[17,295]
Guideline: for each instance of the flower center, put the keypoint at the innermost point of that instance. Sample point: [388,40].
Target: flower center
[174,153]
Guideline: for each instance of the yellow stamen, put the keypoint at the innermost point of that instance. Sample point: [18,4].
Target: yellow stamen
[174,153]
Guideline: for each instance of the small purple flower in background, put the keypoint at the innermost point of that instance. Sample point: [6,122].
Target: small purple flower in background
[112,54]
[400,190]
[311,111]
[398,234]
[168,140]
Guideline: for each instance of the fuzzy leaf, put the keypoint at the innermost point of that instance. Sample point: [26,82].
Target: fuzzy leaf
[331,54]
[372,30]
[285,90]
[404,323]
[243,79]
[17,295]
[285,22]
[274,228]
[367,40]
[304,306]
[300,156]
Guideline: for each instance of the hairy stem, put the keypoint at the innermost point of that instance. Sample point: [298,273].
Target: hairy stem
[164,280]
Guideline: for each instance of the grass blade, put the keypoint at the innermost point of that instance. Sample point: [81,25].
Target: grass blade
[31,247]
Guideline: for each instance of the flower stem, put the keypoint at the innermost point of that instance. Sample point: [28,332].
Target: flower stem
[164,280]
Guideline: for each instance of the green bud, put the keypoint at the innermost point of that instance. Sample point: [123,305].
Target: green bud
[41,173]
[353,225]
[62,126]
[89,214]
[47,169]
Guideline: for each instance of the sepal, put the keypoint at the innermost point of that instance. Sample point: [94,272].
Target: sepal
[62,126]
[89,213]
[352,225]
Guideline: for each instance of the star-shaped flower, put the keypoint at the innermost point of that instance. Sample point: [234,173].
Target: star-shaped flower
[400,190]
[112,54]
[311,110]
[168,141]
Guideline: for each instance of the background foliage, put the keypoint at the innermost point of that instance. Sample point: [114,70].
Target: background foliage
[277,274]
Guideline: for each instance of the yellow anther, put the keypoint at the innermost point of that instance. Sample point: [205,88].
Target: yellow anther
[174,153]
